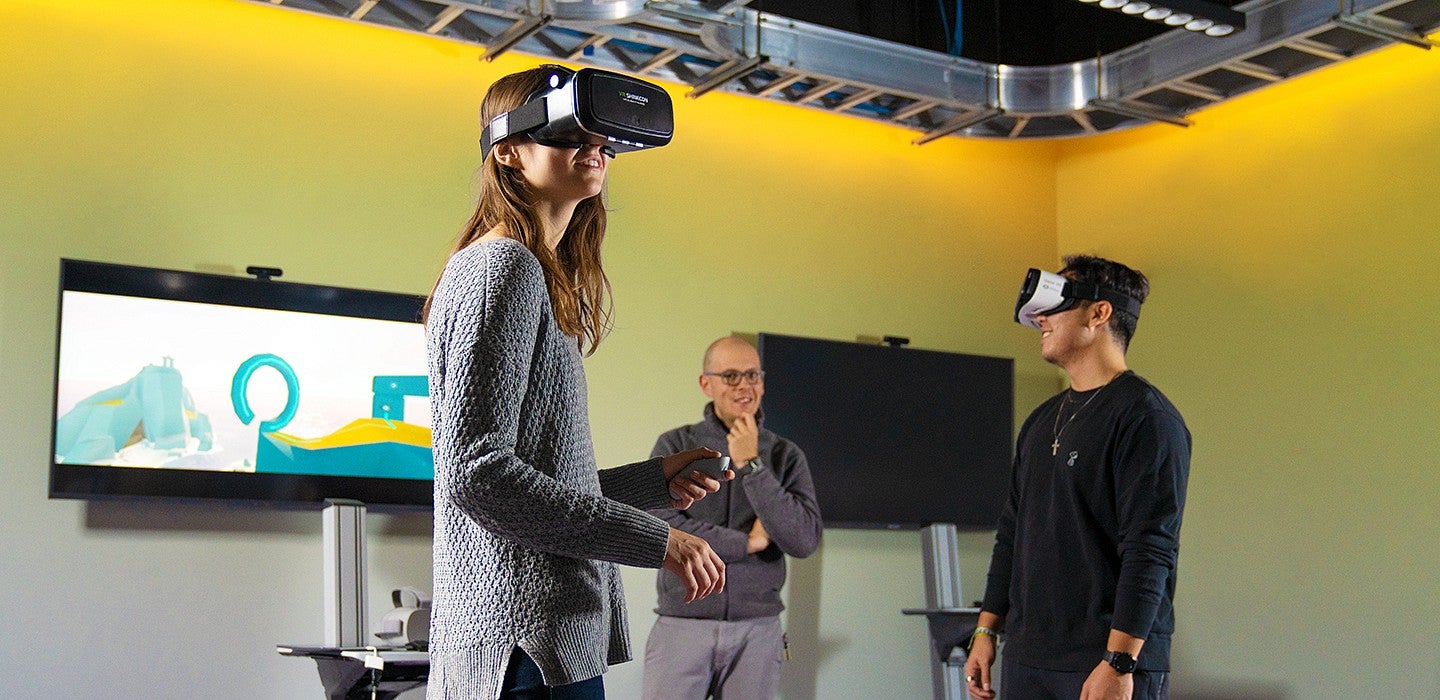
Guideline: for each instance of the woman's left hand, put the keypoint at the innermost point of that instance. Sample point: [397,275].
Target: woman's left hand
[687,487]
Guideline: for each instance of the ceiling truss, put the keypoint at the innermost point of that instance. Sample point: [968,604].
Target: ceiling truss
[724,45]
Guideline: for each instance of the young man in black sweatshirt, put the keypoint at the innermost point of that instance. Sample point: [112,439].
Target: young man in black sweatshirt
[1082,579]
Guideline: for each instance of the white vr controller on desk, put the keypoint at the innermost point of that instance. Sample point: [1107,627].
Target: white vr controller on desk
[406,625]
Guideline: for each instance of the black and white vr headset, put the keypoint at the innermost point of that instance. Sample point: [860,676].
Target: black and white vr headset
[1046,293]
[590,106]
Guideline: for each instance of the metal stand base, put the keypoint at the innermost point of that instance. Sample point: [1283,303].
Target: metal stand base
[950,622]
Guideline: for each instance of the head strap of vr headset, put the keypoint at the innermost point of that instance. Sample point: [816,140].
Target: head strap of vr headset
[527,117]
[1089,291]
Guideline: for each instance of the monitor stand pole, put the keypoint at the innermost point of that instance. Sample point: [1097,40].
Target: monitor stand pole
[950,621]
[345,573]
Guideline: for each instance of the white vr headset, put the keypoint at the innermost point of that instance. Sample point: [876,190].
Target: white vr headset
[1046,293]
[586,107]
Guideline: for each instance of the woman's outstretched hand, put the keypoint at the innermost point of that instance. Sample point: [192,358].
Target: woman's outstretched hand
[697,565]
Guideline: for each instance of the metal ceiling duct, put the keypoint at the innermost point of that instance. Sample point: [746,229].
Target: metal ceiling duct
[596,10]
[725,45]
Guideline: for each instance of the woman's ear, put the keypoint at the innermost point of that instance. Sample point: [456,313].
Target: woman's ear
[506,154]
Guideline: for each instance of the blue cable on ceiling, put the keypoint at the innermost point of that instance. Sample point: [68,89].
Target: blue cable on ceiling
[952,36]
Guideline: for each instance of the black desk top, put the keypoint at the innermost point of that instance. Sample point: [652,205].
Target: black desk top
[941,611]
[386,655]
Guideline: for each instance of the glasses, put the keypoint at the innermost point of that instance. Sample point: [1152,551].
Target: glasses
[732,377]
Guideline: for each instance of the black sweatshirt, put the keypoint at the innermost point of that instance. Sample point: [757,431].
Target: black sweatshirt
[1089,537]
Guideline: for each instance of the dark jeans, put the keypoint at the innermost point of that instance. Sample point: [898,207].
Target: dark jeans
[523,682]
[1030,683]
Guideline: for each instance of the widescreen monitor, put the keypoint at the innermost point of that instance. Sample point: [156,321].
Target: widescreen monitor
[896,437]
[173,384]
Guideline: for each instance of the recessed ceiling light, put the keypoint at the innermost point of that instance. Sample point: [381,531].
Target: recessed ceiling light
[1195,15]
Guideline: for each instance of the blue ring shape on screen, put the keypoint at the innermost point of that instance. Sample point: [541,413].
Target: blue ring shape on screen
[242,381]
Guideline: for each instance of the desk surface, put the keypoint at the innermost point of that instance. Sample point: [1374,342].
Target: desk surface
[357,673]
[385,655]
[940,611]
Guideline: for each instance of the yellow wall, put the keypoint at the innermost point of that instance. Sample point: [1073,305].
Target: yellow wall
[1291,239]
[1290,242]
[215,134]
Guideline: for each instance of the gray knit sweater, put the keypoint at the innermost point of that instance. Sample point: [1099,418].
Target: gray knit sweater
[526,528]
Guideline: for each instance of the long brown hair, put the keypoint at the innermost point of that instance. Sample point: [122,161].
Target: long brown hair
[579,290]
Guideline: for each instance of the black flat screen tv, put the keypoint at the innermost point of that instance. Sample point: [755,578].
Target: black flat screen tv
[187,385]
[896,438]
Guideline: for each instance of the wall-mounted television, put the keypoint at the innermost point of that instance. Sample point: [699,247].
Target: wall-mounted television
[896,438]
[173,384]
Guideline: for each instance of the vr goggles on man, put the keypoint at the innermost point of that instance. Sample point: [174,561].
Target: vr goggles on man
[581,108]
[1046,293]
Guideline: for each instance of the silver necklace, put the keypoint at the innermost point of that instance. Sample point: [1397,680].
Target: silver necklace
[1058,430]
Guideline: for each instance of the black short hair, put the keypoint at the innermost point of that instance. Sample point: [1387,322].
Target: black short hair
[1111,274]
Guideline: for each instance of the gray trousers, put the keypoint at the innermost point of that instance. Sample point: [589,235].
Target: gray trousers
[688,659]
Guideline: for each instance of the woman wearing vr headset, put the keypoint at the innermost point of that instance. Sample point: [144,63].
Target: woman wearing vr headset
[528,601]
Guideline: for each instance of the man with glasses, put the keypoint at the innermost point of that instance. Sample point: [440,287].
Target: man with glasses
[731,644]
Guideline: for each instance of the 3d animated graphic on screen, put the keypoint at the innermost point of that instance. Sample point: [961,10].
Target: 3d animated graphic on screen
[215,402]
[383,443]
[152,411]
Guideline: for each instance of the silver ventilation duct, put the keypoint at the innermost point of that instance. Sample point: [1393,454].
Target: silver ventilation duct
[725,45]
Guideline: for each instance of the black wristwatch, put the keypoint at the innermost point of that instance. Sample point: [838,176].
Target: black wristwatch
[751,466]
[1120,661]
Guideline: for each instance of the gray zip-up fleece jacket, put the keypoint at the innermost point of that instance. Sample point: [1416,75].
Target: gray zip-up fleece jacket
[782,495]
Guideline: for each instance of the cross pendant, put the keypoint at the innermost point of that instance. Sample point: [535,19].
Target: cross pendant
[1055,447]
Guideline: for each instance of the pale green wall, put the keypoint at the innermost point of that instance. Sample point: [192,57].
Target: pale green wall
[1291,239]
[214,134]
